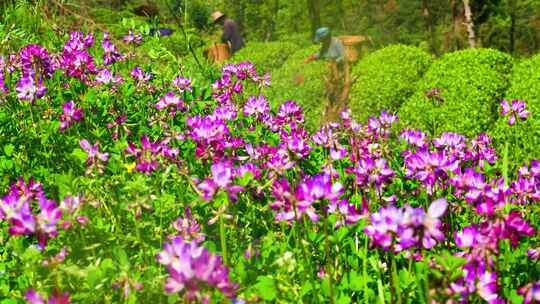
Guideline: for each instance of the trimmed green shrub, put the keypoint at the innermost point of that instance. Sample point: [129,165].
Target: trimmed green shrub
[523,138]
[302,83]
[386,78]
[266,56]
[460,92]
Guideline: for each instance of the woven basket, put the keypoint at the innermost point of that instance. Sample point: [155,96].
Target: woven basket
[218,53]
[352,40]
[351,46]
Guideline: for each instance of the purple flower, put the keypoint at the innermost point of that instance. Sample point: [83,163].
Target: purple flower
[192,268]
[132,38]
[289,113]
[71,114]
[222,177]
[105,76]
[371,172]
[71,207]
[35,59]
[148,155]
[414,138]
[188,228]
[95,158]
[78,42]
[210,133]
[169,100]
[347,212]
[27,89]
[296,141]
[16,208]
[225,112]
[467,238]
[110,53]
[380,126]
[481,150]
[517,109]
[3,87]
[140,75]
[530,292]
[487,287]
[451,143]
[117,124]
[430,167]
[251,168]
[534,253]
[515,227]
[32,297]
[311,190]
[256,106]
[182,84]
[401,229]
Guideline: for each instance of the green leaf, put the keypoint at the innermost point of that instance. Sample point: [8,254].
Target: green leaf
[266,288]
[8,149]
[355,281]
[344,299]
[79,154]
[121,257]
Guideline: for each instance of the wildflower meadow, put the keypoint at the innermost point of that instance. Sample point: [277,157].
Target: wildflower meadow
[121,184]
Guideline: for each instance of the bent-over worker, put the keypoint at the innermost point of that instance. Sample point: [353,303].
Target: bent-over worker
[231,31]
[338,83]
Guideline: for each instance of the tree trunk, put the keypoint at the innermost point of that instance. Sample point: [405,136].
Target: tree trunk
[512,34]
[273,23]
[469,23]
[314,9]
[429,25]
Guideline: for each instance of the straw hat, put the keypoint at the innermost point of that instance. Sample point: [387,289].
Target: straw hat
[217,15]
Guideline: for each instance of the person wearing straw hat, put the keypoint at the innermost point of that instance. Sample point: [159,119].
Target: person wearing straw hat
[231,31]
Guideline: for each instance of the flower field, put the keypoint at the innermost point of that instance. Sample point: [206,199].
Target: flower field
[121,184]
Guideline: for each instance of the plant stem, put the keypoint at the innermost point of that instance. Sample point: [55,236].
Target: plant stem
[327,256]
[395,279]
[364,272]
[505,163]
[223,239]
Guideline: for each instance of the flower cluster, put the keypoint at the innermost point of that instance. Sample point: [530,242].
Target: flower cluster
[147,156]
[400,229]
[132,38]
[76,59]
[96,160]
[71,114]
[514,110]
[17,208]
[110,53]
[222,177]
[191,268]
[32,297]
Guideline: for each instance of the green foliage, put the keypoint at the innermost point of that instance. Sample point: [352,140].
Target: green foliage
[524,137]
[302,83]
[386,78]
[471,83]
[266,56]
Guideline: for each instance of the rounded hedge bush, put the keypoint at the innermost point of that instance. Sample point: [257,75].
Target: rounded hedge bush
[460,92]
[266,56]
[302,83]
[523,138]
[386,78]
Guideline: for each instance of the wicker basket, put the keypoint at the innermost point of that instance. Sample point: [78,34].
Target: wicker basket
[218,53]
[351,46]
[352,40]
